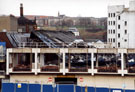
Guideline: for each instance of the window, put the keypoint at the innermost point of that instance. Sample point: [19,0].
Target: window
[113,39]
[113,14]
[111,31]
[118,44]
[118,26]
[108,14]
[108,31]
[125,40]
[113,22]
[125,31]
[118,35]
[118,17]
[114,31]
[109,22]
[109,40]
[125,23]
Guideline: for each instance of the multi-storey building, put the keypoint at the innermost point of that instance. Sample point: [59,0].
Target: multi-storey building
[121,26]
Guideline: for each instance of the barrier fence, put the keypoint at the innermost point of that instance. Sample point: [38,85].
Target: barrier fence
[25,87]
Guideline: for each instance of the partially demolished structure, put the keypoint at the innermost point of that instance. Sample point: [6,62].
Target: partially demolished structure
[54,57]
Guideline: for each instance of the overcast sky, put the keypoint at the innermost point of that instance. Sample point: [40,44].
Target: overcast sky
[84,8]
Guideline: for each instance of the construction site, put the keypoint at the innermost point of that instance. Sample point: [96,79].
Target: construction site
[52,61]
[37,60]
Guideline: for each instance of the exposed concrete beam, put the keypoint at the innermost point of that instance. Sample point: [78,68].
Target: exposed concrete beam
[107,50]
[78,50]
[49,50]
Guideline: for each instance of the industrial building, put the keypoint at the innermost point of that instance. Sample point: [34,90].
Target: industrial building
[121,26]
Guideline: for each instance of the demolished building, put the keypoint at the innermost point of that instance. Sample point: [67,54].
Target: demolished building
[46,58]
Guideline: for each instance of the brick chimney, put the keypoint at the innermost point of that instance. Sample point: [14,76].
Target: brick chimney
[21,9]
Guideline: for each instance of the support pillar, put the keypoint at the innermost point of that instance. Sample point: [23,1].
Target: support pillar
[36,59]
[122,64]
[92,63]
[97,61]
[63,63]
[7,62]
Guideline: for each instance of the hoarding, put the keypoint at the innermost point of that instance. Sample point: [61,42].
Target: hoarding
[2,51]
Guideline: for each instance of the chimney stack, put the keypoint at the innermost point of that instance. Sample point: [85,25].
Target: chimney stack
[21,10]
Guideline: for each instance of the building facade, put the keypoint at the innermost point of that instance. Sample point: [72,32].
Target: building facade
[40,70]
[8,23]
[121,29]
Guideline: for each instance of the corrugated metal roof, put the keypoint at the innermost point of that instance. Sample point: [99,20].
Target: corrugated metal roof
[54,38]
[16,38]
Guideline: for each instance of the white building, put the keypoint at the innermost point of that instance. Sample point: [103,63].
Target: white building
[121,26]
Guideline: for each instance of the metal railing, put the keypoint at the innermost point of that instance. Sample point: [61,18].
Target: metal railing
[62,45]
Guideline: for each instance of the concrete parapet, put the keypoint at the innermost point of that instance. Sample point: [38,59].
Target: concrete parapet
[78,50]
[49,50]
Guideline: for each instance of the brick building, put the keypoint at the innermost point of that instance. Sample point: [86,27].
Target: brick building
[24,24]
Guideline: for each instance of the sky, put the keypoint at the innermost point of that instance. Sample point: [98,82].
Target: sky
[73,8]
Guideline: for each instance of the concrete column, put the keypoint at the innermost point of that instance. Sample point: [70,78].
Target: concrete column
[122,64]
[63,63]
[10,59]
[96,60]
[92,63]
[36,59]
[7,62]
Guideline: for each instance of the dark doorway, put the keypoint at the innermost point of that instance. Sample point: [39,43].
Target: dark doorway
[66,80]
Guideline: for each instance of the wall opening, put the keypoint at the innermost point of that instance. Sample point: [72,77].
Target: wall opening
[66,80]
